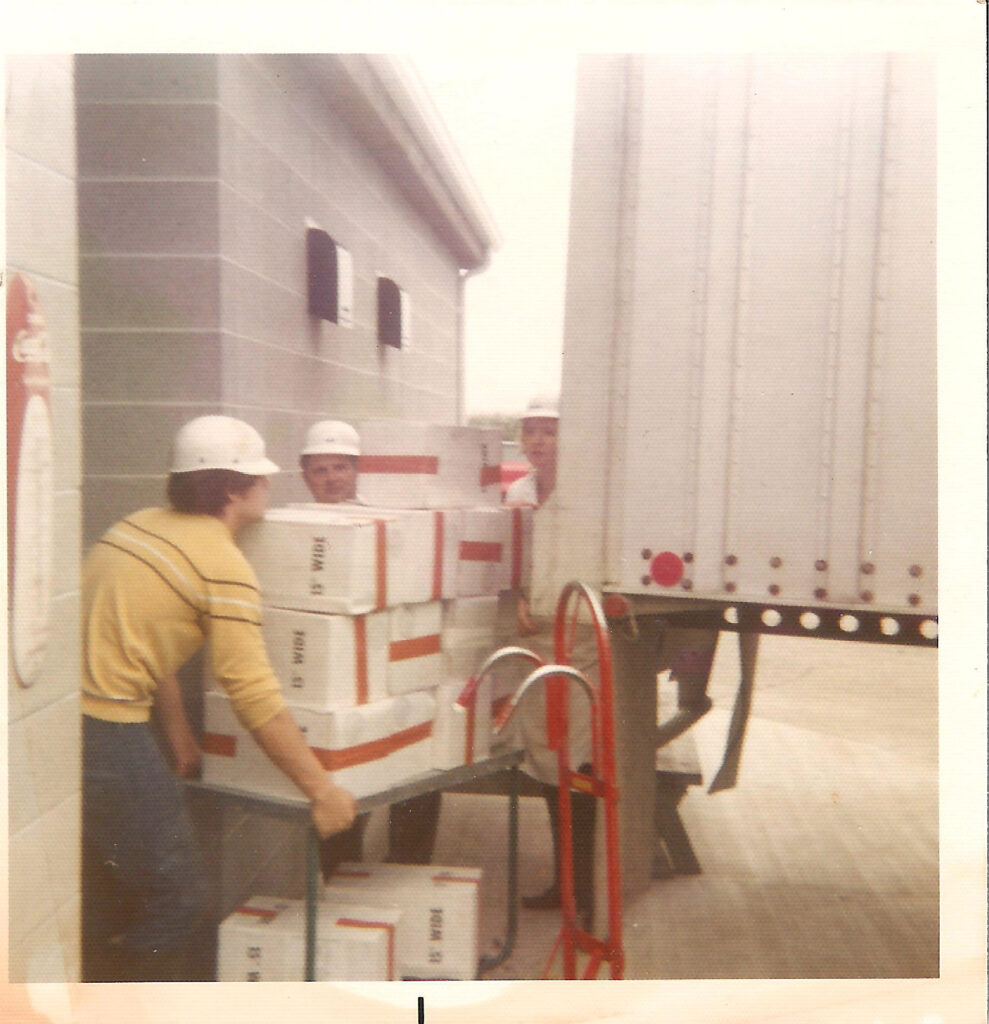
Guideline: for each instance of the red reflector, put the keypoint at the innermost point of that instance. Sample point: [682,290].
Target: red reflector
[615,606]
[666,569]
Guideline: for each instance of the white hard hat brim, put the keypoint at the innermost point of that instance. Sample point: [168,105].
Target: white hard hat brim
[540,414]
[330,449]
[263,467]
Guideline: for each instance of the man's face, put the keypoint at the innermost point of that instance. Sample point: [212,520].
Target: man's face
[539,442]
[330,478]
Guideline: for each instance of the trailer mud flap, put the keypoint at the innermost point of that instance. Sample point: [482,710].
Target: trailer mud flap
[727,774]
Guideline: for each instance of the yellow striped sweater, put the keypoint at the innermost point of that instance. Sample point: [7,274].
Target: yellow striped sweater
[156,586]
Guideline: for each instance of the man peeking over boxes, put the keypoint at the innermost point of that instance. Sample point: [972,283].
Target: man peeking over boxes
[329,462]
[156,587]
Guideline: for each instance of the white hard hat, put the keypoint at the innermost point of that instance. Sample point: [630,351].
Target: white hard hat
[332,437]
[542,407]
[220,442]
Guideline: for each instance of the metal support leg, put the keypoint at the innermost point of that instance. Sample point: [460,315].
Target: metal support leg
[636,655]
[488,963]
[312,874]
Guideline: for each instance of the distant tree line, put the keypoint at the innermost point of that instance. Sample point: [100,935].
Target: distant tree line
[507,423]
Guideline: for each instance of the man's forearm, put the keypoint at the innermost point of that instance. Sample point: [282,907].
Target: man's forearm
[281,739]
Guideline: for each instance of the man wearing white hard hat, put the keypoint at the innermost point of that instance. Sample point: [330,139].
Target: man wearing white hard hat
[156,587]
[329,462]
[329,469]
[538,435]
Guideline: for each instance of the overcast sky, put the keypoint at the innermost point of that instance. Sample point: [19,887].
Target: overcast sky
[511,118]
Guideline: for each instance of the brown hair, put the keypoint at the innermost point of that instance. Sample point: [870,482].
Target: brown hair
[206,491]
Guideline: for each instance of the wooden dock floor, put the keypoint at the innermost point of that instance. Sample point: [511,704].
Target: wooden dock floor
[823,862]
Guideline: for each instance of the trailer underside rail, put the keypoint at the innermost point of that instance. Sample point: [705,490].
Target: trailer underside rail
[868,626]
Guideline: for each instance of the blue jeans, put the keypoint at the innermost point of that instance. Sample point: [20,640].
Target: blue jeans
[144,888]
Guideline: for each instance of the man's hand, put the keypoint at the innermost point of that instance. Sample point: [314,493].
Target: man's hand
[333,810]
[186,756]
[526,624]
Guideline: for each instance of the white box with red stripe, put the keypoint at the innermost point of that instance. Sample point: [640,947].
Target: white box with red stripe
[365,749]
[325,661]
[264,940]
[415,647]
[437,934]
[408,464]
[311,559]
[461,733]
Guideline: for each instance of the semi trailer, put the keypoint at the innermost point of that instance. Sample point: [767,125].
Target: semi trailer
[748,435]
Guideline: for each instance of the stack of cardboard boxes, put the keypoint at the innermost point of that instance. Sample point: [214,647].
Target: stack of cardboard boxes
[376,616]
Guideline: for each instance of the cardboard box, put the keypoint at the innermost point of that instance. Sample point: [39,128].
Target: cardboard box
[437,934]
[484,557]
[461,734]
[469,635]
[265,940]
[324,661]
[415,647]
[407,464]
[439,529]
[366,749]
[312,559]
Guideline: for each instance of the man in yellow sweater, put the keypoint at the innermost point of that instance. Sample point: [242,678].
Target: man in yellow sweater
[156,587]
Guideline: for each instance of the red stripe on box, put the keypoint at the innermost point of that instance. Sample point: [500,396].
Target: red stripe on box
[257,912]
[416,647]
[352,922]
[360,657]
[490,475]
[428,464]
[479,551]
[455,878]
[381,563]
[516,548]
[438,525]
[373,750]
[469,741]
[222,746]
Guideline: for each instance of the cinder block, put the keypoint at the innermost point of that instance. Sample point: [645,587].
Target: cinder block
[151,366]
[38,957]
[66,550]
[31,902]
[153,76]
[41,213]
[39,117]
[132,440]
[68,916]
[253,237]
[61,827]
[54,738]
[59,676]
[107,500]
[135,293]
[66,439]
[177,217]
[153,140]
[23,806]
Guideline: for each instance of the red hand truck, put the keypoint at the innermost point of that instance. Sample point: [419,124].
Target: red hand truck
[600,782]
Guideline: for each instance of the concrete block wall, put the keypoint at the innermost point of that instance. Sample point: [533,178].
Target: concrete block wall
[43,719]
[198,177]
